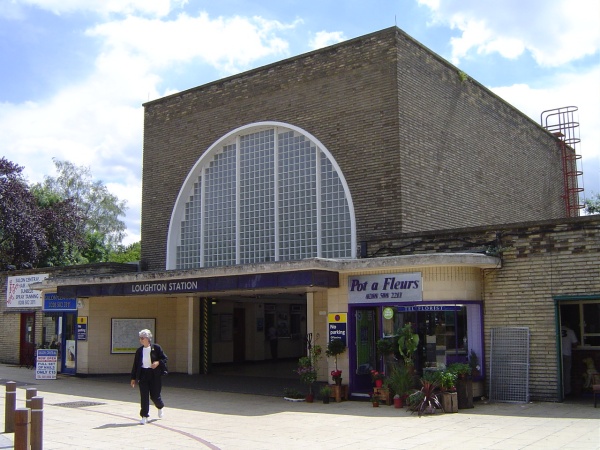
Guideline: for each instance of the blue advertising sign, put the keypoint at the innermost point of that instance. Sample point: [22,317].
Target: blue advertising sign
[53,302]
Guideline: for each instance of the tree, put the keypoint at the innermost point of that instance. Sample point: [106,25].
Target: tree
[101,210]
[126,254]
[22,237]
[64,228]
[33,226]
[592,204]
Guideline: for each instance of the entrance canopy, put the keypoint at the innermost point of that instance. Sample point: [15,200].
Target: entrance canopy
[206,285]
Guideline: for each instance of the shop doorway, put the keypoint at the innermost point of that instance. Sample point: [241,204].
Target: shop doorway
[364,335]
[27,340]
[69,356]
[579,344]
[59,334]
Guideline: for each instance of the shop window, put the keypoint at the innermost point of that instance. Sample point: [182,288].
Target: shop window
[583,317]
[447,333]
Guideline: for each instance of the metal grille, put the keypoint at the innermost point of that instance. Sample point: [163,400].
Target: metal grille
[509,365]
[80,404]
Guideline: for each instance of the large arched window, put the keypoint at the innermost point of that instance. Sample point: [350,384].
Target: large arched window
[264,192]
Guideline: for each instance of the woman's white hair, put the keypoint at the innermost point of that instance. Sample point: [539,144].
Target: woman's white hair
[146,334]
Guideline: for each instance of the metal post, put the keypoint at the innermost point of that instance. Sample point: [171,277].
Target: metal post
[29,394]
[10,406]
[22,424]
[37,423]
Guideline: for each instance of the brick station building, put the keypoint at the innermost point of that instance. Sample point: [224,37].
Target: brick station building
[345,192]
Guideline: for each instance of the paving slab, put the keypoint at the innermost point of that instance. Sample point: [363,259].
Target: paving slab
[102,413]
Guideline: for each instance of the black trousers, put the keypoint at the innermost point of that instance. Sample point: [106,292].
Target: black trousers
[150,387]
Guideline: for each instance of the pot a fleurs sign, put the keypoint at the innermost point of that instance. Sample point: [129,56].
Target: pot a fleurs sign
[385,288]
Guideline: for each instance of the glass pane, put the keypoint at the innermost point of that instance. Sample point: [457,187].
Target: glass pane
[591,318]
[365,342]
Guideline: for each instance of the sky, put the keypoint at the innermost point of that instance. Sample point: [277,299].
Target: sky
[75,73]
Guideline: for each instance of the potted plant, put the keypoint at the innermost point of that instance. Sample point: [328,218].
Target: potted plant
[425,400]
[335,347]
[400,381]
[336,376]
[307,369]
[292,395]
[374,400]
[408,343]
[462,370]
[474,364]
[447,381]
[377,378]
[464,384]
[385,347]
[325,393]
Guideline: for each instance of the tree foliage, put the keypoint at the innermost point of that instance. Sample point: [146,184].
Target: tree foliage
[101,210]
[592,204]
[126,253]
[35,229]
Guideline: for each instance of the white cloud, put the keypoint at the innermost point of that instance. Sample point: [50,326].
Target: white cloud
[324,38]
[553,31]
[579,89]
[155,8]
[228,44]
[97,121]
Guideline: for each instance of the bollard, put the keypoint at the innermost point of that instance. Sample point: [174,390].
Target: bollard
[22,425]
[29,394]
[37,423]
[10,406]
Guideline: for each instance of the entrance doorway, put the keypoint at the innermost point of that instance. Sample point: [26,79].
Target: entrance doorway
[239,335]
[238,332]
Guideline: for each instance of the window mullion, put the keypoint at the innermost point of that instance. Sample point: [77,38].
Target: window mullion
[319,200]
[276,194]
[201,218]
[237,199]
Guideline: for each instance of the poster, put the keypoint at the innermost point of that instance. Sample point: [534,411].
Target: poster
[46,364]
[125,334]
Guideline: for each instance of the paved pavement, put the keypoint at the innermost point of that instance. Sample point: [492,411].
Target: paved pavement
[102,413]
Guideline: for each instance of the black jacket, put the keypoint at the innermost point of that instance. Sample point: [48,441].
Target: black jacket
[156,354]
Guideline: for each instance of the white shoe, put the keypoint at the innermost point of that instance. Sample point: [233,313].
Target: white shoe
[144,421]
[160,413]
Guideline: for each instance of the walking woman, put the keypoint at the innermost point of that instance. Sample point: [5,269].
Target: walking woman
[149,364]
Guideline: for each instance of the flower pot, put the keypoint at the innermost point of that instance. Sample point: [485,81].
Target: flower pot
[378,383]
[450,402]
[398,402]
[338,381]
[326,400]
[375,404]
[310,398]
[464,389]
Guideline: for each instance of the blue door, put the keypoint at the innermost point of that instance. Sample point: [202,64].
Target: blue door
[67,329]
